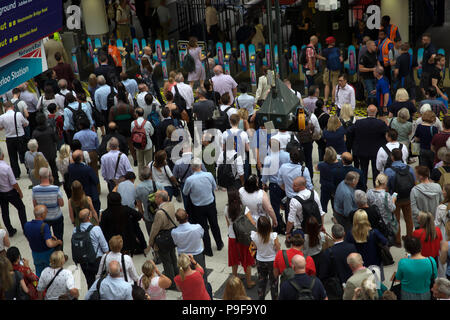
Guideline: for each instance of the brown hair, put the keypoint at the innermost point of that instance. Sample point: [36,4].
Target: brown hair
[234,289]
[429,117]
[39,162]
[160,159]
[170,129]
[6,280]
[116,243]
[148,269]
[78,194]
[146,65]
[193,42]
[264,228]
[426,221]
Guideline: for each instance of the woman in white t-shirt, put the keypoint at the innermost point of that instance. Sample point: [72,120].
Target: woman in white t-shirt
[153,281]
[63,281]
[4,241]
[256,200]
[267,246]
[162,174]
[238,253]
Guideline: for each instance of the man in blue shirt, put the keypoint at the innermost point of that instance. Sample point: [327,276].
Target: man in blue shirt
[333,57]
[101,96]
[130,84]
[383,92]
[99,245]
[40,239]
[246,101]
[344,200]
[272,164]
[113,287]
[200,189]
[69,124]
[188,239]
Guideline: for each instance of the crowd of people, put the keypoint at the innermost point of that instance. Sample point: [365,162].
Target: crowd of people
[189,145]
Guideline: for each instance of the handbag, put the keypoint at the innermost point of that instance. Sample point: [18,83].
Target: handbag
[113,182]
[385,254]
[397,289]
[164,239]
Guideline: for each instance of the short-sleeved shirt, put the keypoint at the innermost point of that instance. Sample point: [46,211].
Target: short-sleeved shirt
[429,248]
[368,60]
[32,231]
[128,193]
[405,65]
[288,292]
[382,89]
[403,129]
[7,179]
[436,73]
[142,191]
[332,55]
[48,196]
[425,134]
[427,53]
[61,285]
[415,274]
[163,176]
[265,251]
[280,264]
[204,109]
[193,286]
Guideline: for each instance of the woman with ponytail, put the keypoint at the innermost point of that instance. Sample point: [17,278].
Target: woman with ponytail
[190,279]
[153,281]
[429,235]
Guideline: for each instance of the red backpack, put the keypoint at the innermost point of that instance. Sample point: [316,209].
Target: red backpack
[139,136]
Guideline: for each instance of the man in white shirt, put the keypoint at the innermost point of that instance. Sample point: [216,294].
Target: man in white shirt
[109,162]
[143,155]
[283,137]
[185,91]
[382,155]
[21,105]
[242,143]
[295,217]
[60,97]
[288,84]
[227,106]
[345,94]
[145,103]
[237,165]
[223,83]
[14,132]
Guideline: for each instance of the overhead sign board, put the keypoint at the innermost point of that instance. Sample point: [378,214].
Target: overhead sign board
[26,21]
[22,65]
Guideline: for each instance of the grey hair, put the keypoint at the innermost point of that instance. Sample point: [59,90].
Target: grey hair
[443,286]
[39,211]
[32,145]
[196,164]
[44,172]
[113,144]
[424,108]
[164,195]
[351,177]
[101,80]
[146,173]
[201,92]
[360,197]
[62,83]
[337,231]
[179,77]
[354,259]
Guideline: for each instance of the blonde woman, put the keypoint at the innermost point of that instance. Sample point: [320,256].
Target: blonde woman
[39,162]
[63,284]
[243,123]
[366,240]
[403,126]
[168,85]
[79,201]
[429,235]
[334,135]
[62,163]
[234,290]
[199,73]
[190,279]
[153,281]
[402,101]
[348,119]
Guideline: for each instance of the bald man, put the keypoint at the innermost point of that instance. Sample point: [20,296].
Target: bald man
[290,290]
[360,273]
[112,287]
[341,171]
[311,57]
[224,83]
[97,240]
[165,219]
[368,135]
[304,197]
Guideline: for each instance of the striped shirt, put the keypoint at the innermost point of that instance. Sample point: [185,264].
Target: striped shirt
[48,196]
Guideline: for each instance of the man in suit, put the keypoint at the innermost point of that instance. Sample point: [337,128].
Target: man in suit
[160,130]
[51,47]
[340,172]
[368,136]
[63,70]
[161,222]
[360,273]
[86,176]
[336,266]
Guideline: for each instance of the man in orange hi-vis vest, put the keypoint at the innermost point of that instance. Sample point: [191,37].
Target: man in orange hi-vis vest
[385,52]
[391,29]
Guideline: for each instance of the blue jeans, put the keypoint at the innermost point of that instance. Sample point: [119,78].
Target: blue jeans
[41,260]
[370,85]
[57,226]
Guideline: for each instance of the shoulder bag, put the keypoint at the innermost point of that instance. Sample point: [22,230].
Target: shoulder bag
[164,239]
[242,228]
[385,255]
[113,182]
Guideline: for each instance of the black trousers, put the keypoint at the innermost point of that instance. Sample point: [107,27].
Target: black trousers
[202,215]
[12,197]
[32,121]
[90,270]
[16,152]
[169,261]
[52,164]
[364,162]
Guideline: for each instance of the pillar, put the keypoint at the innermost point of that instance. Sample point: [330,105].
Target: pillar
[94,17]
[398,10]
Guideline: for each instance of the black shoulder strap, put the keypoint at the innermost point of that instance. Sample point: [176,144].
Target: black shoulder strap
[286,259]
[124,269]
[226,110]
[51,282]
[42,229]
[386,149]
[99,282]
[117,165]
[154,185]
[167,215]
[15,123]
[237,102]
[185,173]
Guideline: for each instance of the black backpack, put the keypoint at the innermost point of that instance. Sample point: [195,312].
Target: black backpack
[304,293]
[82,248]
[294,144]
[310,208]
[188,63]
[242,228]
[78,116]
[389,153]
[222,122]
[179,100]
[110,98]
[403,182]
[225,176]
